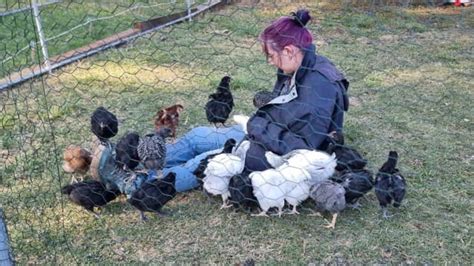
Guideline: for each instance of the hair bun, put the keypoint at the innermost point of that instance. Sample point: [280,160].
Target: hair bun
[301,17]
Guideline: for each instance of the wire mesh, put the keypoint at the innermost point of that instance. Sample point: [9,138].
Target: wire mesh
[76,187]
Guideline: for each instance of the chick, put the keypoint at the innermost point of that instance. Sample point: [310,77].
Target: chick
[347,158]
[390,185]
[356,183]
[319,164]
[168,117]
[218,173]
[152,149]
[76,160]
[329,196]
[90,194]
[241,191]
[220,103]
[126,154]
[199,172]
[273,187]
[263,97]
[268,189]
[104,124]
[153,195]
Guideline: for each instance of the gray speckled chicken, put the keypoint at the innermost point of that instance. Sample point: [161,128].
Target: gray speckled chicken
[263,97]
[329,196]
[152,149]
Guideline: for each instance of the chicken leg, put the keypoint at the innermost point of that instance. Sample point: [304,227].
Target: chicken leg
[294,211]
[225,203]
[262,213]
[96,215]
[315,214]
[332,225]
[143,217]
[385,213]
[74,179]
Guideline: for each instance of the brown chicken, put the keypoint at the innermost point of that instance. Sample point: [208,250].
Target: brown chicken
[76,161]
[168,117]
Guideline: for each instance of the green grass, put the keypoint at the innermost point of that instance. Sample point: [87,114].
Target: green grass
[410,72]
[18,30]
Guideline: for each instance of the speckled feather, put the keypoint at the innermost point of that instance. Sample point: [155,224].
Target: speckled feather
[152,150]
[328,196]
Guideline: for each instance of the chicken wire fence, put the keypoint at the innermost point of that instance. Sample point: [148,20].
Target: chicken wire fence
[61,60]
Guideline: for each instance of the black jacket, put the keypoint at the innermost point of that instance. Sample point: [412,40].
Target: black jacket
[299,120]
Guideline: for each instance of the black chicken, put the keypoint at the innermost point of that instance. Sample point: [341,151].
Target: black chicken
[390,185]
[347,158]
[104,124]
[220,104]
[152,149]
[90,194]
[126,154]
[199,172]
[153,195]
[241,191]
[356,184]
[263,97]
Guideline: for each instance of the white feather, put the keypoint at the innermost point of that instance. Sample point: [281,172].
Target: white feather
[241,150]
[320,165]
[273,186]
[242,121]
[273,159]
[219,171]
[267,189]
[297,185]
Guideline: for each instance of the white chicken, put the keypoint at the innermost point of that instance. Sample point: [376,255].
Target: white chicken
[218,173]
[298,184]
[242,121]
[320,165]
[268,188]
[273,186]
[241,150]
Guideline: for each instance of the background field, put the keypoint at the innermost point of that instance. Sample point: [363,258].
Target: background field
[411,72]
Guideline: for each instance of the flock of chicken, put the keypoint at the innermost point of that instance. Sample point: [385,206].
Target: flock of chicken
[334,179]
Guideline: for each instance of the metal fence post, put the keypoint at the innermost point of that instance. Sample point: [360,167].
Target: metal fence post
[188,7]
[39,29]
[6,258]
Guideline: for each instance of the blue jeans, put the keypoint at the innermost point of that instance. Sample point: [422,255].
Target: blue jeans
[183,157]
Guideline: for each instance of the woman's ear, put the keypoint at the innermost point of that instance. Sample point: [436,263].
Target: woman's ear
[290,51]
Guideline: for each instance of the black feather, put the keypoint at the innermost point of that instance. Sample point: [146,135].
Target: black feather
[356,183]
[263,97]
[347,158]
[90,194]
[241,191]
[199,172]
[104,124]
[390,185]
[126,154]
[220,103]
[153,195]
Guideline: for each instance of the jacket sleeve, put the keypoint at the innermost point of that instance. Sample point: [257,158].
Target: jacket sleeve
[308,130]
[274,136]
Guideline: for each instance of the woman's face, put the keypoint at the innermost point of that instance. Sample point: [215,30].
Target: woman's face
[285,60]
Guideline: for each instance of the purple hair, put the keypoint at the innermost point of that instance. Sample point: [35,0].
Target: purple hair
[288,30]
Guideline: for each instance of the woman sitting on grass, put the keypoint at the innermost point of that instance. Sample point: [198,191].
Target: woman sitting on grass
[310,102]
